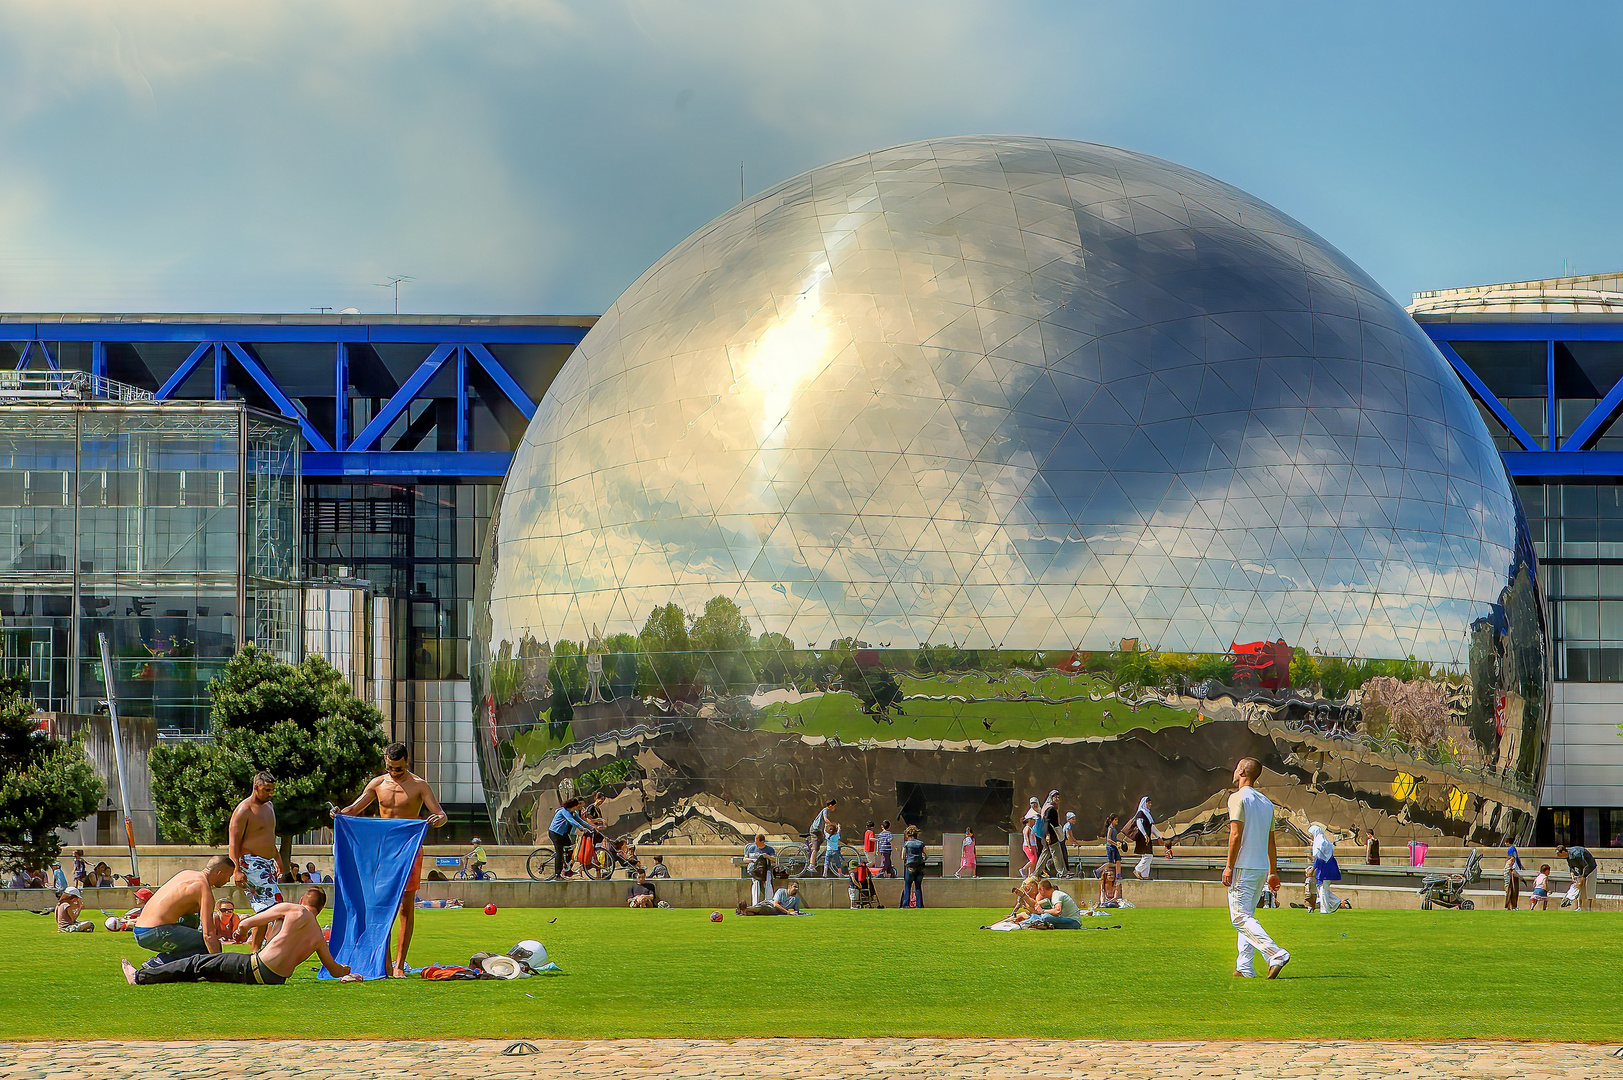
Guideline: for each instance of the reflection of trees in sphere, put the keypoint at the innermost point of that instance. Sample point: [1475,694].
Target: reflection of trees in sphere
[978,435]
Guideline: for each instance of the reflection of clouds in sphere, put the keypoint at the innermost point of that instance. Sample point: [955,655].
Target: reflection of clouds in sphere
[1009,392]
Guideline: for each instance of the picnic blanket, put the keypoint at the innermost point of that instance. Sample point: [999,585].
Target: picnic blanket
[372,859]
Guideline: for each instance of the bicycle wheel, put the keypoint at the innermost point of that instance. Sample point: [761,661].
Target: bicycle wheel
[539,864]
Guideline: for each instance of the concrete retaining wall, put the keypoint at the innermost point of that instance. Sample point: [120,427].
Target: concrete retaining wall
[723,893]
[160,862]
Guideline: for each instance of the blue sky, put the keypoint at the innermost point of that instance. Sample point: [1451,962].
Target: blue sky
[536,156]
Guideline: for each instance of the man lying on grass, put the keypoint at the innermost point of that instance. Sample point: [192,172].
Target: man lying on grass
[298,939]
[766,907]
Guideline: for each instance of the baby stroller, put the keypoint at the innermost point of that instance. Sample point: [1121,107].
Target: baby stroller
[1448,890]
[860,887]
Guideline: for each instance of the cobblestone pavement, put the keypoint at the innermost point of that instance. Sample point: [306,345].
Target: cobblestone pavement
[810,1059]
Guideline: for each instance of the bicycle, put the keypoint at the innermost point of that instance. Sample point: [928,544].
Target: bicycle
[539,863]
[792,858]
[470,869]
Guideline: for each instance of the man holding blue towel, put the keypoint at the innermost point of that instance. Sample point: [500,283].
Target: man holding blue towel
[400,793]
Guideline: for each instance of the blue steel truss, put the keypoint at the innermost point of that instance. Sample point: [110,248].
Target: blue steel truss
[1573,456]
[462,348]
[456,346]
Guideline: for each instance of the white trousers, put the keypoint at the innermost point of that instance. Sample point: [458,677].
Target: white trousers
[1243,894]
[759,890]
[1328,901]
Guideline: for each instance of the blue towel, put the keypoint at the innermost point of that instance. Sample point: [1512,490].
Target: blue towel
[372,858]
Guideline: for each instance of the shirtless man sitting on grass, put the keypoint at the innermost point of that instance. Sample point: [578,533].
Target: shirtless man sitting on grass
[295,941]
[179,919]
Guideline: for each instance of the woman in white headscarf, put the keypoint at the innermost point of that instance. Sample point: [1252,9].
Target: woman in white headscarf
[1326,870]
[1144,836]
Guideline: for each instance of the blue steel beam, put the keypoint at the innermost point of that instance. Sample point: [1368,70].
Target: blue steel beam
[44,350]
[402,398]
[1523,331]
[461,398]
[1553,463]
[283,333]
[184,371]
[1596,421]
[219,373]
[257,372]
[481,463]
[508,384]
[340,430]
[1481,392]
[1550,420]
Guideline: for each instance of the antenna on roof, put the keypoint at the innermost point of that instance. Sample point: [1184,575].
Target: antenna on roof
[394,283]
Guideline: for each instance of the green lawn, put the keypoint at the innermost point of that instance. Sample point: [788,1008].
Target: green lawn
[1165,974]
[1070,714]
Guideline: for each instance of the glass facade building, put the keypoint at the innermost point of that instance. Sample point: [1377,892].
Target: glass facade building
[1544,360]
[979,467]
[405,425]
[170,527]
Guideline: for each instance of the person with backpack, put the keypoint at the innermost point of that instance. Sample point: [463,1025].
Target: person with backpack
[759,860]
[561,832]
[912,867]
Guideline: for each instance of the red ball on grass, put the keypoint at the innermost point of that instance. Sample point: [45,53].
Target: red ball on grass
[490,909]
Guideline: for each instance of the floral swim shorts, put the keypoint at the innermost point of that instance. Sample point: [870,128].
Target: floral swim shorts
[262,887]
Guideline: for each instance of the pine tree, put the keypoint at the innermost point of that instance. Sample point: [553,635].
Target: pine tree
[45,783]
[298,722]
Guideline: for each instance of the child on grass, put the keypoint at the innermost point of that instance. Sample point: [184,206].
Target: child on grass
[1541,889]
[833,861]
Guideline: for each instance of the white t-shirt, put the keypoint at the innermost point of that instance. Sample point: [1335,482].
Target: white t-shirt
[1067,906]
[1252,809]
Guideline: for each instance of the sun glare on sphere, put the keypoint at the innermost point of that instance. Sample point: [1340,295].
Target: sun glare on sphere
[789,354]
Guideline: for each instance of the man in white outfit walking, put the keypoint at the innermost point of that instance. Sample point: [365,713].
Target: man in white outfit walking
[1252,862]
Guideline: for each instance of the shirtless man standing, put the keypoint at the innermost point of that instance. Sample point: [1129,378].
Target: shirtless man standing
[295,941]
[253,848]
[400,793]
[179,919]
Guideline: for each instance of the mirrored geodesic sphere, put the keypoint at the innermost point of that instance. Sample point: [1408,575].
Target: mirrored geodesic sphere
[966,469]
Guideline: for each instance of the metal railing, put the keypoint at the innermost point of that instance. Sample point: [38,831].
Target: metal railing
[67,384]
